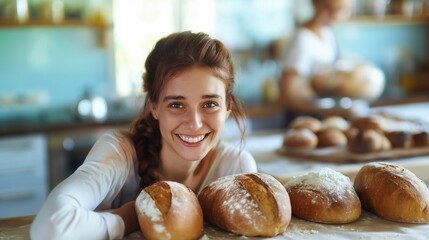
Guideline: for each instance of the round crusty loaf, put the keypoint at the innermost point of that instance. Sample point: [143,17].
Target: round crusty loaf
[301,138]
[371,122]
[253,204]
[400,139]
[169,210]
[311,123]
[331,137]
[324,196]
[392,192]
[335,122]
[368,140]
[421,139]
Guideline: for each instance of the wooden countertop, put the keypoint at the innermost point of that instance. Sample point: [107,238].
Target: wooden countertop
[41,127]
[368,226]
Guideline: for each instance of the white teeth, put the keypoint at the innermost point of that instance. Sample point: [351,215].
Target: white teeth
[192,139]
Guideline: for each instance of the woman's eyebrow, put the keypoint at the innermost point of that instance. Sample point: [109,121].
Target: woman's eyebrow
[212,96]
[178,97]
[173,97]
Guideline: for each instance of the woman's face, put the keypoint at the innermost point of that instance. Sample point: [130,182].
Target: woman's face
[331,11]
[191,111]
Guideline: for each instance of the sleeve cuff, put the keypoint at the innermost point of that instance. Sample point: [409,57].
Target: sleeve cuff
[115,225]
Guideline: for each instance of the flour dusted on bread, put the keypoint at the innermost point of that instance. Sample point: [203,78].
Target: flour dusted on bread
[148,208]
[393,192]
[325,196]
[253,204]
[169,210]
[324,180]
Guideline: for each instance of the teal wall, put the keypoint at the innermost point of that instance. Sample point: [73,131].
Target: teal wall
[59,62]
[384,44]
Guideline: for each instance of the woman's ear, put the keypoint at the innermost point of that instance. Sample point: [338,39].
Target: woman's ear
[229,104]
[153,110]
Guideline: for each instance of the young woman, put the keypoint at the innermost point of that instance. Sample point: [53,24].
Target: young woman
[189,81]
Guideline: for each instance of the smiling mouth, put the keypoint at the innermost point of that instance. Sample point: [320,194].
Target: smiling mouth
[192,139]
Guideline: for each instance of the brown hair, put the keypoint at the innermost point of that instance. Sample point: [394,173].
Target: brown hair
[170,56]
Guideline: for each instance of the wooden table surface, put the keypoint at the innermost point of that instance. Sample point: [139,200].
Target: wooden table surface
[368,226]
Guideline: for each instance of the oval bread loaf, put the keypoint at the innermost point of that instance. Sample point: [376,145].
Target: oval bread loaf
[254,204]
[392,192]
[169,210]
[325,196]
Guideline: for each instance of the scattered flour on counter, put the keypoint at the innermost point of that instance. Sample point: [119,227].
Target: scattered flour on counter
[298,230]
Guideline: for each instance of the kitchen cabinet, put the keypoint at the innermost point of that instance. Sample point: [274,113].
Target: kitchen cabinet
[389,19]
[23,174]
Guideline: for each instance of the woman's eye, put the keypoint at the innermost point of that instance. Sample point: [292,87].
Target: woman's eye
[176,105]
[210,104]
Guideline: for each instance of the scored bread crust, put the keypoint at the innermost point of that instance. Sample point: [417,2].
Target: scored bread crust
[253,204]
[393,193]
[169,210]
[331,200]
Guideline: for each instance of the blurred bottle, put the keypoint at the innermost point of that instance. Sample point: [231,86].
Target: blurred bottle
[22,11]
[74,9]
[407,67]
[99,12]
[46,10]
[57,10]
[14,10]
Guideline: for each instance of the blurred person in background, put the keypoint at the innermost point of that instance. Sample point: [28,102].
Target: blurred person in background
[312,48]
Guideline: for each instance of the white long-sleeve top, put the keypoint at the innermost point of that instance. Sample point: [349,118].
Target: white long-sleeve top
[307,52]
[106,180]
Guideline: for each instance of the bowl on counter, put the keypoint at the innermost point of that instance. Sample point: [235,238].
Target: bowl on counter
[352,79]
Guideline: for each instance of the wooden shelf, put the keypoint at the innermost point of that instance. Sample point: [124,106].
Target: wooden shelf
[390,19]
[68,23]
[100,27]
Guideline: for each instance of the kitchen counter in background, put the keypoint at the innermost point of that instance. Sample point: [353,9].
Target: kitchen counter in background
[264,146]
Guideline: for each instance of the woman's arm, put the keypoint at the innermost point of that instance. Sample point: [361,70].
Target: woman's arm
[69,211]
[128,214]
[296,93]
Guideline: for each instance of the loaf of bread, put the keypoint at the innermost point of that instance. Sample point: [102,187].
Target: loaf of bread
[368,140]
[374,122]
[400,139]
[335,122]
[169,210]
[311,123]
[325,196]
[253,204]
[421,139]
[300,138]
[331,137]
[392,192]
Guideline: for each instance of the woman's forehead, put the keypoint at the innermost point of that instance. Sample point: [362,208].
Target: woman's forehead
[194,81]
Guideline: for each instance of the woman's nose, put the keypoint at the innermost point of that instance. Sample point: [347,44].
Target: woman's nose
[194,119]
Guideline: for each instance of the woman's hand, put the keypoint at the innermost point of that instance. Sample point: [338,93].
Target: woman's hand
[128,213]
